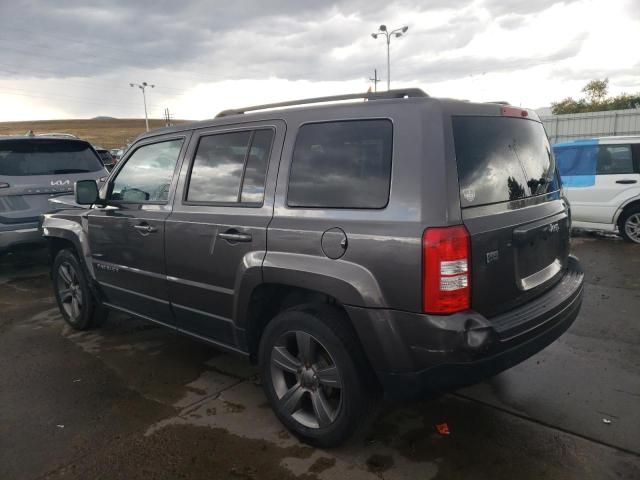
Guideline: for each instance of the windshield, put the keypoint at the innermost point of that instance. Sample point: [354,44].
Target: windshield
[46,157]
[502,159]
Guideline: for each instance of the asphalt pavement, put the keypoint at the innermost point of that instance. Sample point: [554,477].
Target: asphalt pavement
[132,400]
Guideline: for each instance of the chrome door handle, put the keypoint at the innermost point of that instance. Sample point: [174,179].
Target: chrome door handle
[235,236]
[145,228]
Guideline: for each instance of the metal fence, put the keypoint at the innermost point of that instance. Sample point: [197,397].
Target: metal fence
[573,126]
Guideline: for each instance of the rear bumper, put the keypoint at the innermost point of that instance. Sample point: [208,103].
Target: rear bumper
[415,355]
[19,234]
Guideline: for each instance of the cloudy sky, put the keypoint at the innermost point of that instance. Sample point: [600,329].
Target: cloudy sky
[76,58]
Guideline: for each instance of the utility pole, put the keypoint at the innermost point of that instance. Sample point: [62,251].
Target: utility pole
[142,87]
[398,32]
[375,80]
[167,117]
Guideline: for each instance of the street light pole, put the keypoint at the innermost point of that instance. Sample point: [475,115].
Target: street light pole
[398,32]
[142,87]
[375,79]
[388,63]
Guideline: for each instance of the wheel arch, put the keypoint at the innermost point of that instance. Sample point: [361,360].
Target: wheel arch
[633,202]
[65,233]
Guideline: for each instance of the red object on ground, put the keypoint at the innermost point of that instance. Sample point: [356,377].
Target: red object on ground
[443,429]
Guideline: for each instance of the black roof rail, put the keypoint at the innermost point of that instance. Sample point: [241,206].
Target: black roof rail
[403,93]
[500,102]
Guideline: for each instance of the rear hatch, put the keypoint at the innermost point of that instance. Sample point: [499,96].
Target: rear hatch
[34,169]
[511,206]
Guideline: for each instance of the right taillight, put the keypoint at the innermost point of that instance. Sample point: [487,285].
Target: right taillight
[445,270]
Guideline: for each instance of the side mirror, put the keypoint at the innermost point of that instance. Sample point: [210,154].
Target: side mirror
[86,192]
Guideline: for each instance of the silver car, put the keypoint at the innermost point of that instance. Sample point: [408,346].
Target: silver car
[34,169]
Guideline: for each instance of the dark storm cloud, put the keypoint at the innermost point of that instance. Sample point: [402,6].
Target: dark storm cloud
[230,39]
[206,41]
[466,66]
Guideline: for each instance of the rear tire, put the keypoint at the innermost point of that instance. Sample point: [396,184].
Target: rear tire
[315,374]
[77,304]
[629,224]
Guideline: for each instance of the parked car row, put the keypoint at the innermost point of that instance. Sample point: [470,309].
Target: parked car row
[117,153]
[107,159]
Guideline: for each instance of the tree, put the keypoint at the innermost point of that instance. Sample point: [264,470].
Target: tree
[596,90]
[596,100]
[568,105]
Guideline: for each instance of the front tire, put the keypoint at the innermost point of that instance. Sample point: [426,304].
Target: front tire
[315,375]
[73,295]
[629,225]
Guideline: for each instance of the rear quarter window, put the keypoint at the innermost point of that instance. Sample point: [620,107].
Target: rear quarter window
[345,164]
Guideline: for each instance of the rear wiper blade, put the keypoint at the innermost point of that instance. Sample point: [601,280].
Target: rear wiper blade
[70,170]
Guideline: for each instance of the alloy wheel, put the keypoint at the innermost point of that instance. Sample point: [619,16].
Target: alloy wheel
[69,291]
[632,227]
[306,379]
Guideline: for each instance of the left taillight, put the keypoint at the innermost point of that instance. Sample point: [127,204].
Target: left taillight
[446,261]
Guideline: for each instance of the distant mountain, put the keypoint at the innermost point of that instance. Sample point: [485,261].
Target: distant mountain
[103,117]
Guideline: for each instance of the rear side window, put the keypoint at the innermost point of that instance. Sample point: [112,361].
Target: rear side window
[343,164]
[47,157]
[147,175]
[230,167]
[502,159]
[614,159]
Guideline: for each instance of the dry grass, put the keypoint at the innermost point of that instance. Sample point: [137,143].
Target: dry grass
[107,133]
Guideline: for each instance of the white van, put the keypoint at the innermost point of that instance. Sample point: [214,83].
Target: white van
[601,179]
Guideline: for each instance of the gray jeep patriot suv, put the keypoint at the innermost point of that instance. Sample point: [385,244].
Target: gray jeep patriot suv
[403,244]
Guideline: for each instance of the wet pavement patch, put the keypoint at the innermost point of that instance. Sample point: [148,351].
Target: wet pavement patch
[187,452]
[379,463]
[322,464]
[233,407]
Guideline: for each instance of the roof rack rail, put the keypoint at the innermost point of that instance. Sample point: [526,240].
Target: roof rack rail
[500,102]
[52,134]
[403,93]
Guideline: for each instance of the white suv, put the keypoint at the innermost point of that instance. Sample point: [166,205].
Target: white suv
[601,179]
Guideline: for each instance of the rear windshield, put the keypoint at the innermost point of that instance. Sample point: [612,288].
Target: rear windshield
[502,159]
[46,157]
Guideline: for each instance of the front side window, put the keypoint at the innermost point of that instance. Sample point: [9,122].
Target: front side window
[147,175]
[230,167]
[344,164]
